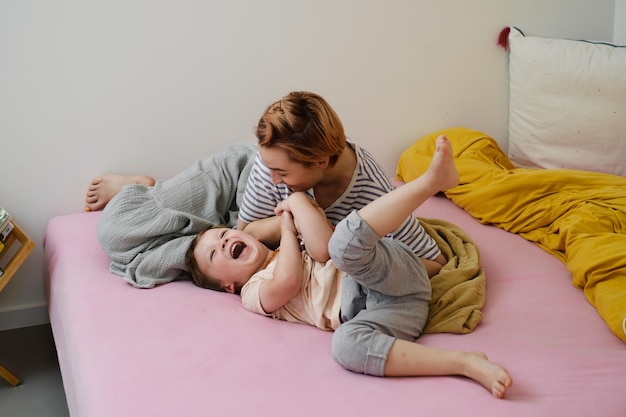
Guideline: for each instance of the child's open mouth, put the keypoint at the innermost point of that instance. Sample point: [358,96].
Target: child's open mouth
[236,249]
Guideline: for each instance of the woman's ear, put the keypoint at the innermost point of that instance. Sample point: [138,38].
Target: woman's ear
[322,163]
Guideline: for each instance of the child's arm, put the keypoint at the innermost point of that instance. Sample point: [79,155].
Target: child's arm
[288,273]
[311,222]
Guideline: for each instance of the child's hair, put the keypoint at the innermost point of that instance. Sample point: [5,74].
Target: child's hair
[197,277]
[305,126]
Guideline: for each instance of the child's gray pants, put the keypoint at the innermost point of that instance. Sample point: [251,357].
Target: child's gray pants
[384,297]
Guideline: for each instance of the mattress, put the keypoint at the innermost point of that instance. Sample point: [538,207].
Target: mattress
[180,350]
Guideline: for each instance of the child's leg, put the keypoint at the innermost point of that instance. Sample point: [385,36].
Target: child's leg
[355,248]
[362,344]
[386,213]
[412,359]
[379,341]
[376,263]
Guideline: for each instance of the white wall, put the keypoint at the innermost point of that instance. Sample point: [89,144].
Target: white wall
[619,36]
[149,86]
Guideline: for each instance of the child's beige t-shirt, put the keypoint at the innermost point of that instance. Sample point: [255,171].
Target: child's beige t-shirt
[317,303]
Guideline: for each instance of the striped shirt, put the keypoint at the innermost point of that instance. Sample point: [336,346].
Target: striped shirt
[369,182]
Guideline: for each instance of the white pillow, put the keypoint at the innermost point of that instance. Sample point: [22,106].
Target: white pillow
[567,104]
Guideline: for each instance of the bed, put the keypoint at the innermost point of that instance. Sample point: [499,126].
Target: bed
[179,350]
[176,349]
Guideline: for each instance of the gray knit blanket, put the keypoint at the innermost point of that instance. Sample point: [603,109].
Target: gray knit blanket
[147,230]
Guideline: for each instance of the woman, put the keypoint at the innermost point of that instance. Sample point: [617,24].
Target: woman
[303,147]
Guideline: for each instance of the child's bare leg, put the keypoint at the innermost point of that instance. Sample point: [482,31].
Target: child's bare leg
[412,359]
[387,213]
[103,189]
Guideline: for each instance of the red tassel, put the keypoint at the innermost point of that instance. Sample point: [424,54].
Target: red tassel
[503,39]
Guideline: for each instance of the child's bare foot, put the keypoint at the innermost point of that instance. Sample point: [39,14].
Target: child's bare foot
[493,377]
[103,189]
[442,168]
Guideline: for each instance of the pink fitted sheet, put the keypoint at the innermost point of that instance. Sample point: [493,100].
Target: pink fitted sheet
[181,350]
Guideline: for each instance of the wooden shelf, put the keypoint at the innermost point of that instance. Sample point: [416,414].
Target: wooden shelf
[11,379]
[26,246]
[18,257]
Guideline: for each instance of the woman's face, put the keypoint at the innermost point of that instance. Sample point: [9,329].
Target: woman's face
[296,176]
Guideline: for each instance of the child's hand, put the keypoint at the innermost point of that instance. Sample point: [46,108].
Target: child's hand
[286,223]
[281,207]
[291,202]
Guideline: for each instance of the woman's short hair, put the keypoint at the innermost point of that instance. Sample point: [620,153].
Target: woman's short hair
[305,126]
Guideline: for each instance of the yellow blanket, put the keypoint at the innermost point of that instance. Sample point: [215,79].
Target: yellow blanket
[577,216]
[459,288]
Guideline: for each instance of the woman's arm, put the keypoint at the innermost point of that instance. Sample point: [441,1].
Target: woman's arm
[433,267]
[266,230]
[288,273]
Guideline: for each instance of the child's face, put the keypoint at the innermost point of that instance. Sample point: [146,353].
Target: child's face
[294,175]
[229,256]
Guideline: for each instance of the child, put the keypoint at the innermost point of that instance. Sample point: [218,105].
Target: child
[374,293]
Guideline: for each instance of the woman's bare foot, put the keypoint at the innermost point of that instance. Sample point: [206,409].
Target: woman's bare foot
[442,168]
[493,377]
[103,189]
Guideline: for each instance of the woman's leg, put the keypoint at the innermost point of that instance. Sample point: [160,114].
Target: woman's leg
[102,189]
